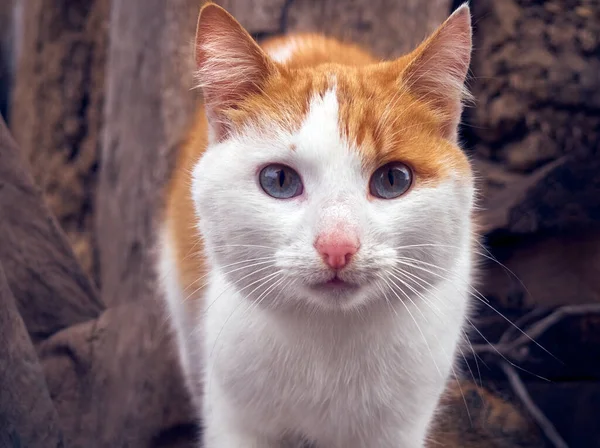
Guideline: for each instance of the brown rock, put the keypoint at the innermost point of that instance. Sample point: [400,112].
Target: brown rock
[57,109]
[537,80]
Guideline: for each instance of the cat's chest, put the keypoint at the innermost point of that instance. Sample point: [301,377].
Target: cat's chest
[307,373]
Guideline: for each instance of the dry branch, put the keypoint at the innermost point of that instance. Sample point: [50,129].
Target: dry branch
[521,391]
[512,347]
[515,349]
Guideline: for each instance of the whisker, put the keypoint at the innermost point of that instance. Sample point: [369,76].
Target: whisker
[475,357]
[421,281]
[389,303]
[243,245]
[407,296]
[449,359]
[239,280]
[502,356]
[489,256]
[413,319]
[265,293]
[477,295]
[486,340]
[264,281]
[229,272]
[270,264]
[429,302]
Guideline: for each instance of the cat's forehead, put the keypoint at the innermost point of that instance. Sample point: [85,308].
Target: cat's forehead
[364,109]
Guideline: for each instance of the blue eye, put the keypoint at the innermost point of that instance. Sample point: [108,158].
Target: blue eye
[280,181]
[390,181]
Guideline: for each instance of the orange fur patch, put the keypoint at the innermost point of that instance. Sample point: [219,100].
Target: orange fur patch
[384,121]
[179,215]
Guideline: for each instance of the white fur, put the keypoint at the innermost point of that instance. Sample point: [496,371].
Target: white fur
[284,361]
[188,350]
[283,52]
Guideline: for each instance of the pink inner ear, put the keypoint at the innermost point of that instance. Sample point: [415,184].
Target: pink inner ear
[230,65]
[440,68]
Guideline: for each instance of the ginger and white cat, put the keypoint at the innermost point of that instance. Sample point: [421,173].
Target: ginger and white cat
[316,245]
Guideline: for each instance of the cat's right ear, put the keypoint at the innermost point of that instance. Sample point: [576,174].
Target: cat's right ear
[230,65]
[438,68]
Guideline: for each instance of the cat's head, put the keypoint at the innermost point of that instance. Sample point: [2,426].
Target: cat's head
[335,185]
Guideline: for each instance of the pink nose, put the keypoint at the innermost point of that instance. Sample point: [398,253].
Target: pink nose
[337,248]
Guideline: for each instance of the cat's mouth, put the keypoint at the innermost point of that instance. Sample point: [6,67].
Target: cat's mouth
[335,283]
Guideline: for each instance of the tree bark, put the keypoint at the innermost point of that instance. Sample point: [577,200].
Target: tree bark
[259,17]
[116,380]
[148,107]
[27,414]
[51,290]
[388,27]
[6,54]
[57,109]
[113,375]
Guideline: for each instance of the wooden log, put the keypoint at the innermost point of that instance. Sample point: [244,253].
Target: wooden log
[148,108]
[116,380]
[27,414]
[388,27]
[259,17]
[7,56]
[114,374]
[50,288]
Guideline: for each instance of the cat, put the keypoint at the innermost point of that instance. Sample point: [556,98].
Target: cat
[316,240]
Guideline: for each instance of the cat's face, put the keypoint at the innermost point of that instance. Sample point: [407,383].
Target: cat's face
[335,187]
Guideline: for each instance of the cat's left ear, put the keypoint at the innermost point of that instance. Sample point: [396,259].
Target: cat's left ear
[230,66]
[438,68]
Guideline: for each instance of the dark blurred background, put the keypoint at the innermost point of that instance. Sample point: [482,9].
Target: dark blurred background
[97,95]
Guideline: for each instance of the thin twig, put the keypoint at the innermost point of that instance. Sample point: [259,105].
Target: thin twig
[542,421]
[513,349]
[512,332]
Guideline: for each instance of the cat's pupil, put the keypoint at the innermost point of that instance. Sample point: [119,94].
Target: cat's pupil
[390,181]
[280,182]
